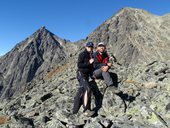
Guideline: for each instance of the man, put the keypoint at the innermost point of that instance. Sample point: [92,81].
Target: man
[102,66]
[85,70]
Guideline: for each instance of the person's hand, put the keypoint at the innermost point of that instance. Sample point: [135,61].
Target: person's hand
[91,60]
[105,68]
[109,64]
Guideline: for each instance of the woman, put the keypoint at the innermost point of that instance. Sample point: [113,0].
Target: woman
[85,70]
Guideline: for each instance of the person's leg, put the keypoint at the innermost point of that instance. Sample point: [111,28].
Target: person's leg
[87,99]
[87,102]
[97,74]
[78,100]
[97,94]
[114,78]
[83,80]
[109,81]
[107,78]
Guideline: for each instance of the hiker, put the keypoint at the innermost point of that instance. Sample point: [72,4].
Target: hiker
[85,70]
[102,66]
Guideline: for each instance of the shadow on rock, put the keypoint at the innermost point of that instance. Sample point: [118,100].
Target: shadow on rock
[23,120]
[126,97]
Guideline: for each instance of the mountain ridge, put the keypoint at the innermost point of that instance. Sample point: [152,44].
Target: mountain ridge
[126,31]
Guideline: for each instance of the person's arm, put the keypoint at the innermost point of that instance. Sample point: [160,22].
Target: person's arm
[107,60]
[81,61]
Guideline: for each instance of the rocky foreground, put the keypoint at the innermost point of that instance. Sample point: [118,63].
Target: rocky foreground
[38,77]
[49,103]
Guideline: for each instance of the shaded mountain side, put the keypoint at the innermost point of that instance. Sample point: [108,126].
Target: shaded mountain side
[135,36]
[31,58]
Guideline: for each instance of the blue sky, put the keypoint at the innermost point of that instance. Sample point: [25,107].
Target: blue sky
[68,19]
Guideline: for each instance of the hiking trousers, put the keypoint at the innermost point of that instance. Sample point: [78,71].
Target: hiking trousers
[79,98]
[99,74]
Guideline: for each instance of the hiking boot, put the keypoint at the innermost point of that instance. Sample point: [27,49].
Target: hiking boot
[88,113]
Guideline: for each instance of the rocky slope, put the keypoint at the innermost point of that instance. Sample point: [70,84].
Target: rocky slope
[140,43]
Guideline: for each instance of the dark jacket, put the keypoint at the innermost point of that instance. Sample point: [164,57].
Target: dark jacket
[83,62]
[100,60]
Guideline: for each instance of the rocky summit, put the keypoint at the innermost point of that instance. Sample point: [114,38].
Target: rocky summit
[38,77]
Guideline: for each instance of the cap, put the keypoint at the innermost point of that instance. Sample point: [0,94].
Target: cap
[101,43]
[89,44]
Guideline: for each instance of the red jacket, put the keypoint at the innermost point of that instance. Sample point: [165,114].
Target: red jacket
[100,59]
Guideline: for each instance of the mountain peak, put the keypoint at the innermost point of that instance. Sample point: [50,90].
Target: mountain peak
[42,27]
[129,9]
[43,30]
[31,58]
[131,31]
[132,12]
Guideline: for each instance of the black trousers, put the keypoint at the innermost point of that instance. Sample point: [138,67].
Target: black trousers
[83,80]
